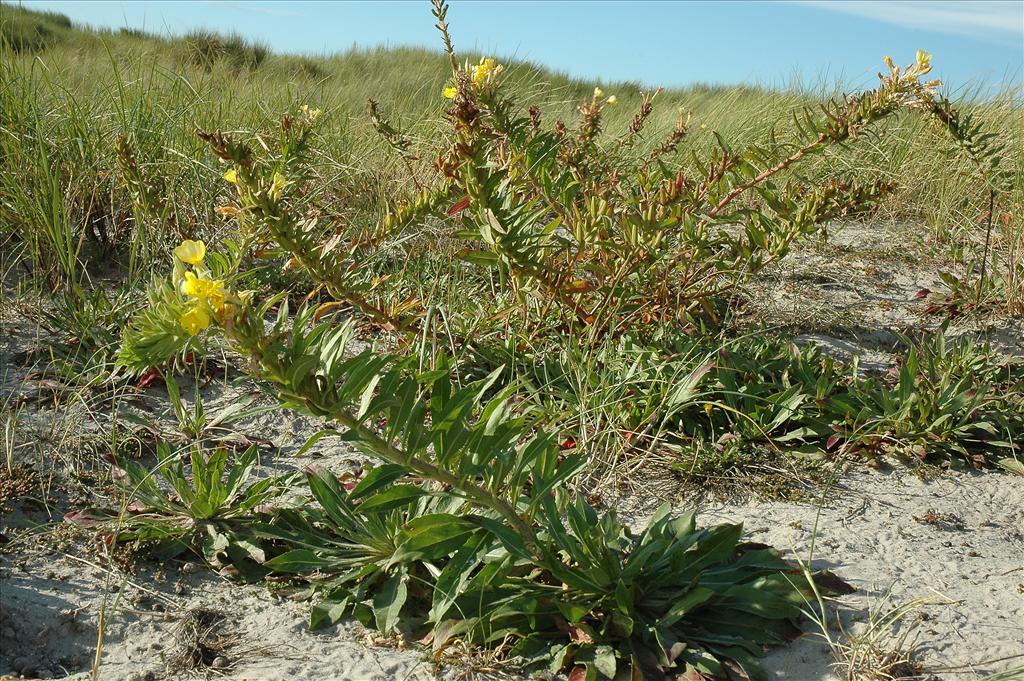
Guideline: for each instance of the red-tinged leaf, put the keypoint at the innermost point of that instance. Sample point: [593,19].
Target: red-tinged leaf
[326,309]
[831,442]
[923,293]
[136,506]
[82,519]
[151,377]
[459,206]
[568,443]
[578,673]
[349,479]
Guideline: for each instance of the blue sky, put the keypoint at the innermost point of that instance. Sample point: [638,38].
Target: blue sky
[655,43]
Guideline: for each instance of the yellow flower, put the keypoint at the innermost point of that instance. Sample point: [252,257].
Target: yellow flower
[311,114]
[209,291]
[195,320]
[612,101]
[598,93]
[231,176]
[449,92]
[191,252]
[924,62]
[278,186]
[483,71]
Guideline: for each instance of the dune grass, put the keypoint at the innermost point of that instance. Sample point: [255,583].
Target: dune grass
[67,92]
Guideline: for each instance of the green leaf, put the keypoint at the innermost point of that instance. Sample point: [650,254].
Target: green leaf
[378,478]
[393,497]
[297,561]
[431,537]
[681,607]
[329,611]
[510,539]
[455,575]
[604,661]
[389,600]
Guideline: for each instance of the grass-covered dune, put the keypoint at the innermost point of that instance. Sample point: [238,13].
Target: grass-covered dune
[67,91]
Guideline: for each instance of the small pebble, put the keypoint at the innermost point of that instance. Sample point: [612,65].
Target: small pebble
[220,662]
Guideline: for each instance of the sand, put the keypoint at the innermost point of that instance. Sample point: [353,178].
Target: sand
[953,543]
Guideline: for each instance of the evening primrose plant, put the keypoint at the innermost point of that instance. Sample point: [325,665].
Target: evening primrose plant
[468,525]
[468,528]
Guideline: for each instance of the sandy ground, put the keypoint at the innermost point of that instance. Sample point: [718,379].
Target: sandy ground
[954,540]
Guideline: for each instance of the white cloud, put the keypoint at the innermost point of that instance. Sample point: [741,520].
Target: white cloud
[994,20]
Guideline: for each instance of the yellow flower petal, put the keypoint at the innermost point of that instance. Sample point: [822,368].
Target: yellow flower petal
[482,72]
[278,186]
[598,93]
[190,285]
[924,62]
[210,291]
[231,176]
[612,101]
[449,92]
[191,252]
[311,114]
[195,320]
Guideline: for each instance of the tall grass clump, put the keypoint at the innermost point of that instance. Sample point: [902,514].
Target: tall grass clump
[26,31]
[205,49]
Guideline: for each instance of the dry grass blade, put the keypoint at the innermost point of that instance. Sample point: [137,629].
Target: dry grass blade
[878,652]
[204,640]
